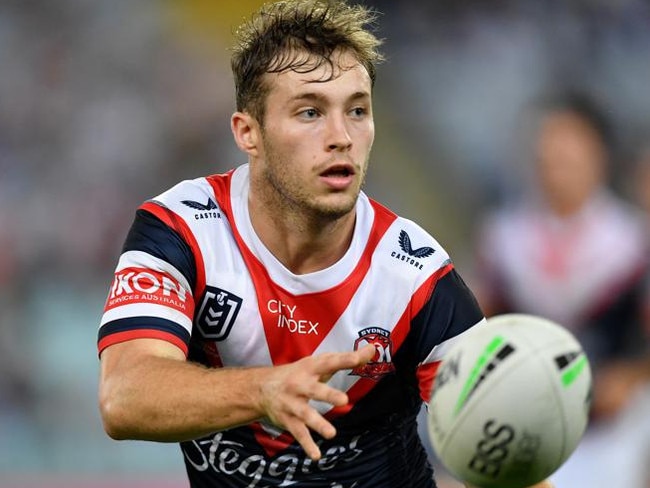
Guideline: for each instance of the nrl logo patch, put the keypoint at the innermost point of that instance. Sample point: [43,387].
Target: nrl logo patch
[382,362]
[217,314]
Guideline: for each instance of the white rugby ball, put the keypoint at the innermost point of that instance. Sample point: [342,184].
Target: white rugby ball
[510,402]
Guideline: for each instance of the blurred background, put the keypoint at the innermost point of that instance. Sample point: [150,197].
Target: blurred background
[104,104]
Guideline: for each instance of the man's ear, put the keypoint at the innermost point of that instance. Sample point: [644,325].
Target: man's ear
[246,131]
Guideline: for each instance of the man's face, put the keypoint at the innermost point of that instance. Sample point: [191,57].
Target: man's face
[316,138]
[570,160]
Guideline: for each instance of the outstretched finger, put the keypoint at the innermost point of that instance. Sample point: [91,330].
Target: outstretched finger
[319,424]
[301,433]
[329,364]
[325,393]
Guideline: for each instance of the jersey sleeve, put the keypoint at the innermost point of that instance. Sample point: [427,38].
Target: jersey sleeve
[450,310]
[152,291]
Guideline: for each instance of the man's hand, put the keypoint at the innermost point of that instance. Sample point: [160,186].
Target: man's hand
[285,396]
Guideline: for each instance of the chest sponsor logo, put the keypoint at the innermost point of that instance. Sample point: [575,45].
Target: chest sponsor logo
[209,210]
[410,255]
[288,317]
[382,363]
[140,285]
[217,313]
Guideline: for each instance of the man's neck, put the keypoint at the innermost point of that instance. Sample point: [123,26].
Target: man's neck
[302,243]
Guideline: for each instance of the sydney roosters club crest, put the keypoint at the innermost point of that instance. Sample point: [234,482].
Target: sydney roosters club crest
[382,363]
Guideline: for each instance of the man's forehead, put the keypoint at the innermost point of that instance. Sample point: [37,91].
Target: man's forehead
[313,68]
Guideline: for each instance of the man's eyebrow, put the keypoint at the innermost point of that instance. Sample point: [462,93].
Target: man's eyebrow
[318,97]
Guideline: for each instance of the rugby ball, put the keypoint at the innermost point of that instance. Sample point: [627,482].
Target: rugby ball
[510,402]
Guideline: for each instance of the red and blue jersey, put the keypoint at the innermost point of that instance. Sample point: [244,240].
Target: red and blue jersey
[194,273]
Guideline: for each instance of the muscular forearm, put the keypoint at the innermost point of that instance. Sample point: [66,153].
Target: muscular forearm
[168,399]
[148,391]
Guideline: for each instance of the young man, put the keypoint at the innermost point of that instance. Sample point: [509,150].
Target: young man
[274,320]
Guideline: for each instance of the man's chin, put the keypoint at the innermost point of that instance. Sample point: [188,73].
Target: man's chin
[334,210]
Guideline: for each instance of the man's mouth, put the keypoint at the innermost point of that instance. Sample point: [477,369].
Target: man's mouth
[338,176]
[338,170]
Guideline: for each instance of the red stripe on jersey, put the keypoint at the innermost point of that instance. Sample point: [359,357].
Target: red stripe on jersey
[423,294]
[178,224]
[295,325]
[419,299]
[128,335]
[426,373]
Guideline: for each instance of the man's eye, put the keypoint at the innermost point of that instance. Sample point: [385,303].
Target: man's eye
[359,111]
[309,113]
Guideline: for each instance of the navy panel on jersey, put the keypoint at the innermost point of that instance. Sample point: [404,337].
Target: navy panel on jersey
[149,234]
[451,310]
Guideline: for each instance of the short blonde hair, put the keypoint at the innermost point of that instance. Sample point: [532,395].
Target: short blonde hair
[277,37]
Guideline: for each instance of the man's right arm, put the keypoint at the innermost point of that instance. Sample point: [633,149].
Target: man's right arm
[148,391]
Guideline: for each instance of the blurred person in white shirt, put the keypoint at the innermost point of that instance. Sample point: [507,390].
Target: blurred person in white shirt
[575,252]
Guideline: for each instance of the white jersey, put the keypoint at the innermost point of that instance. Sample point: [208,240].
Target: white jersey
[194,272]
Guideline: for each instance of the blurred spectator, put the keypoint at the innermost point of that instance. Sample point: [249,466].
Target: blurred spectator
[641,179]
[571,250]
[640,189]
[622,381]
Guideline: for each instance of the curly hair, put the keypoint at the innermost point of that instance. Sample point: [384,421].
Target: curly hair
[299,35]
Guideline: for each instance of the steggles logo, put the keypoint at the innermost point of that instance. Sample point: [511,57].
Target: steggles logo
[225,454]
